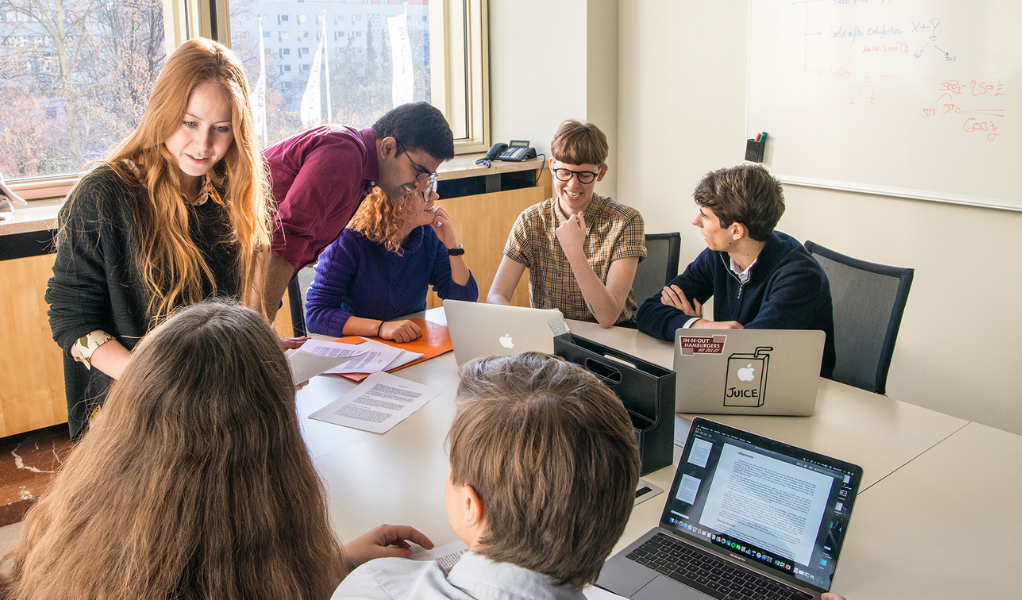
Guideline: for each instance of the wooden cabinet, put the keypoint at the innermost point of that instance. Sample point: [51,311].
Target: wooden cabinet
[482,223]
[31,368]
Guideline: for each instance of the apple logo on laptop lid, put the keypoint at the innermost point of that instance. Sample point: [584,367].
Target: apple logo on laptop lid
[506,341]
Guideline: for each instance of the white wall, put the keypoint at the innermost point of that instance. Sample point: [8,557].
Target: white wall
[682,113]
[551,61]
[681,85]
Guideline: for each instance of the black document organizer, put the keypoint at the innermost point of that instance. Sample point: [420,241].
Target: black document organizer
[647,391]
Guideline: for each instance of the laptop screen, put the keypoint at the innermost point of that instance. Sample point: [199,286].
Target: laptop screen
[763,502]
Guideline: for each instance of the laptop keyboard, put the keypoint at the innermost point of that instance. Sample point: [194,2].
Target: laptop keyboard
[707,573]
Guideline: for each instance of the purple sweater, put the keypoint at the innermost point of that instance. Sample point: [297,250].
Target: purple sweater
[357,277]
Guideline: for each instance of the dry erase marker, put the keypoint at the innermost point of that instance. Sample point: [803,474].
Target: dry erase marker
[757,136]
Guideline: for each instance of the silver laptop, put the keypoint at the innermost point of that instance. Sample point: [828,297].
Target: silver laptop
[479,329]
[747,371]
[747,517]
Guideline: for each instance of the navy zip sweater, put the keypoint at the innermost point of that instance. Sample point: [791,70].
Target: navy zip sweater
[787,289]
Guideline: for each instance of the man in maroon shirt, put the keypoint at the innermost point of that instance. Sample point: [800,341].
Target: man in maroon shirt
[320,176]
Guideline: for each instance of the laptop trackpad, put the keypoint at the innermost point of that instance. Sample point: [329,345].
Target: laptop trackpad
[665,587]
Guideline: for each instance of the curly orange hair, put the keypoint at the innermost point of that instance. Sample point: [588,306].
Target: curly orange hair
[380,219]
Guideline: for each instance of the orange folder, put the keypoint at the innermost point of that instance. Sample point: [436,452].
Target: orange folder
[435,340]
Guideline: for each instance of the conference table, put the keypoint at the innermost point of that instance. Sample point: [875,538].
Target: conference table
[936,514]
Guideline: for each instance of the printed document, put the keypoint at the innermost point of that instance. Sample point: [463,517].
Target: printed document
[446,556]
[376,357]
[315,357]
[380,402]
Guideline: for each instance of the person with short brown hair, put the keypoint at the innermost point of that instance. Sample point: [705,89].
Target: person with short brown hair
[759,278]
[542,476]
[581,248]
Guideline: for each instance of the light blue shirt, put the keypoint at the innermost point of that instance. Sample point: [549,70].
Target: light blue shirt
[475,577]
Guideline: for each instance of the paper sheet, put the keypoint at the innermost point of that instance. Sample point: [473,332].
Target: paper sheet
[377,357]
[446,556]
[315,357]
[380,402]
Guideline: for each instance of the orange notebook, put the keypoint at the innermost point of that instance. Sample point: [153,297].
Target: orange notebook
[435,340]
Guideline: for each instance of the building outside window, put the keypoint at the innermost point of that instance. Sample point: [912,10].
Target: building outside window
[69,95]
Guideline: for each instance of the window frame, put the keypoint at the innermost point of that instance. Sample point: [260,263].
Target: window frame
[210,18]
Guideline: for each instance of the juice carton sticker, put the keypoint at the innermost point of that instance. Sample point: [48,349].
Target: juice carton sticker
[747,378]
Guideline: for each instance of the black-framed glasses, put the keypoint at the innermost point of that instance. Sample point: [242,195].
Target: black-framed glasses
[582,176]
[428,190]
[421,172]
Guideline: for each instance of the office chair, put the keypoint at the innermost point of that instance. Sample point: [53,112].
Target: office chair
[869,301]
[660,265]
[296,296]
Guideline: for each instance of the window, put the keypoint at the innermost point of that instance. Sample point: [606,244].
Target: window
[447,66]
[54,122]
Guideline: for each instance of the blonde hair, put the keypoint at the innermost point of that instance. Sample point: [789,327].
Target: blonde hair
[171,265]
[194,481]
[551,453]
[380,219]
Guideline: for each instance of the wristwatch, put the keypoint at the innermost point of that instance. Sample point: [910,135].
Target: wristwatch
[456,251]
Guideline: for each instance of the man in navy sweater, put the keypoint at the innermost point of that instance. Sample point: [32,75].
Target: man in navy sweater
[759,278]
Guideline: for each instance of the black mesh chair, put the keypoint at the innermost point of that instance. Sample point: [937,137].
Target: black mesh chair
[296,296]
[869,300]
[660,265]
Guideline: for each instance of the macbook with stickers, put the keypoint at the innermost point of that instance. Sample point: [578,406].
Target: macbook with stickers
[747,371]
[747,517]
[479,329]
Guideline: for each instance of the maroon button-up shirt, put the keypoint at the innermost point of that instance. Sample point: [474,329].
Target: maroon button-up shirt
[319,177]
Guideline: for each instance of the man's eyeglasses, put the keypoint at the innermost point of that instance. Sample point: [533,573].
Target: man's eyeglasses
[427,191]
[582,176]
[421,172]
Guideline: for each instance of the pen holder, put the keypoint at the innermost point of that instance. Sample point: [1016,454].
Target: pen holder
[754,150]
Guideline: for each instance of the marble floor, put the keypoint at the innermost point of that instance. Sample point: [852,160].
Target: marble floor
[28,463]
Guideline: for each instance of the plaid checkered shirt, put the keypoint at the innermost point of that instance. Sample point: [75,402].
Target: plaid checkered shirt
[615,231]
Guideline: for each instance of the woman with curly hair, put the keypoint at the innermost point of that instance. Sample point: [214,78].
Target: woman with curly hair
[193,482]
[382,265]
[173,216]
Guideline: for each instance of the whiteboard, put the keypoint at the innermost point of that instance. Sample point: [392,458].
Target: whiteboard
[912,98]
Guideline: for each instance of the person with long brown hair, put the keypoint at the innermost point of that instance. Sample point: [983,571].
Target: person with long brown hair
[174,215]
[193,482]
[382,265]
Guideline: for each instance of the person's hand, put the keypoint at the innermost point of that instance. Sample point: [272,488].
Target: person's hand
[291,343]
[443,227]
[829,596]
[673,296]
[400,331]
[572,234]
[704,324]
[384,541]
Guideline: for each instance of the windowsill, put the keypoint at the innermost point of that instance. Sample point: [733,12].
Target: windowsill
[41,214]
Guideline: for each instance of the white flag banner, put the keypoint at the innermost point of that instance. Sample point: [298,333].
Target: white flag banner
[260,91]
[401,55]
[312,110]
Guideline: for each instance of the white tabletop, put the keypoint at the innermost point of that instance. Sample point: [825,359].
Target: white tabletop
[924,473]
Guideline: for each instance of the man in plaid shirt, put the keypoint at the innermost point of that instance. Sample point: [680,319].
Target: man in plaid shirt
[581,248]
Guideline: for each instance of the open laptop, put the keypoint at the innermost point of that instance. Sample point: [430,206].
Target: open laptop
[747,371]
[747,517]
[479,329]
